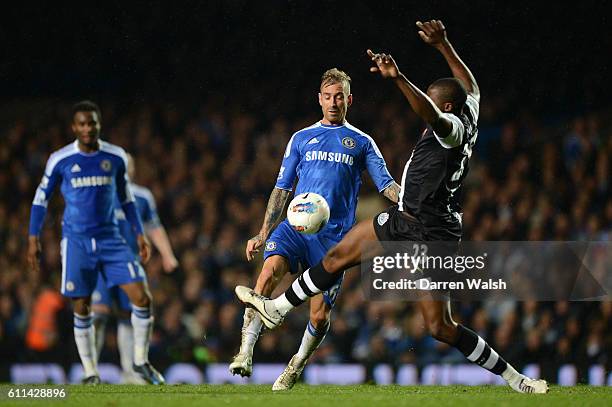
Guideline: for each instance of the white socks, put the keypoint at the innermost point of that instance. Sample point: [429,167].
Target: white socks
[142,323]
[84,336]
[310,341]
[282,304]
[511,375]
[99,323]
[125,343]
[251,327]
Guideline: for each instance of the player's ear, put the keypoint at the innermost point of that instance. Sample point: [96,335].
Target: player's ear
[320,100]
[349,100]
[448,107]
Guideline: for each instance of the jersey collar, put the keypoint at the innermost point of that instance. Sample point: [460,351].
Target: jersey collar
[332,126]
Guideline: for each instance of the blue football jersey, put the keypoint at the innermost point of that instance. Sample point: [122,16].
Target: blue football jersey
[329,160]
[145,205]
[91,184]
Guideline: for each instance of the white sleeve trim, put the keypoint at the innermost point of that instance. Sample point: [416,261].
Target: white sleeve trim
[387,185]
[474,106]
[455,137]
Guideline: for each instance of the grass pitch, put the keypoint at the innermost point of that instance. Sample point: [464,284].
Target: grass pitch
[318,396]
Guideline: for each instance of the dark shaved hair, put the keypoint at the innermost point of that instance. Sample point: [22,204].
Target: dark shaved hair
[86,106]
[452,91]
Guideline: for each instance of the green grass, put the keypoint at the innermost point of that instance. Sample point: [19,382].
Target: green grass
[318,396]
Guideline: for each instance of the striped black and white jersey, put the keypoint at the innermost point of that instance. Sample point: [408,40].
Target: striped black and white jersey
[433,175]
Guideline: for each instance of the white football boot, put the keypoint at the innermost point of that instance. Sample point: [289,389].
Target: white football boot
[264,306]
[290,375]
[526,385]
[242,364]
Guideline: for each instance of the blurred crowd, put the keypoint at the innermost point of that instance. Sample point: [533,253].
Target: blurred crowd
[211,169]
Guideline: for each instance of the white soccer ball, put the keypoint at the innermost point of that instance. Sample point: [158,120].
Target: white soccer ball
[308,213]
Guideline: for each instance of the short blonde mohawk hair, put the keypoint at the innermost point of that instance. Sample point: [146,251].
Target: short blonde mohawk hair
[335,75]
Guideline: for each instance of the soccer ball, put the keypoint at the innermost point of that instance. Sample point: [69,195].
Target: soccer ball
[308,213]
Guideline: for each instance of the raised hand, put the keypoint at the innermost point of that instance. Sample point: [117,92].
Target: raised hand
[432,32]
[144,248]
[253,246]
[33,254]
[385,64]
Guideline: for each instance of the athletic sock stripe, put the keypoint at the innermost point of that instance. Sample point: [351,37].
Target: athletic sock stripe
[315,332]
[292,297]
[305,287]
[484,356]
[82,322]
[500,366]
[141,312]
[311,286]
[477,351]
[491,361]
[297,289]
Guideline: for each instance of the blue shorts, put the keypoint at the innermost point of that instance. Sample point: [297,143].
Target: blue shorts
[298,248]
[107,295]
[83,259]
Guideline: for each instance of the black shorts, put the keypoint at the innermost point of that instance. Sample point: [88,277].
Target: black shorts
[393,228]
[391,225]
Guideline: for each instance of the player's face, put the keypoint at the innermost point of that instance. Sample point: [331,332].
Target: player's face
[436,97]
[86,126]
[334,100]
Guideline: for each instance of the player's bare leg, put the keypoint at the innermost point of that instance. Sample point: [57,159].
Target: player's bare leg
[318,325]
[142,323]
[349,252]
[273,270]
[440,324]
[85,338]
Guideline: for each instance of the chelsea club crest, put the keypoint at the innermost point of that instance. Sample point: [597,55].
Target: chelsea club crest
[106,165]
[348,142]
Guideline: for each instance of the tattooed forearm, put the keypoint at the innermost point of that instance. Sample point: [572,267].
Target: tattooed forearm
[392,192]
[274,211]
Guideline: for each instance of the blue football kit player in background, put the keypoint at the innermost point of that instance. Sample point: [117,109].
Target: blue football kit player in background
[92,175]
[104,296]
[327,158]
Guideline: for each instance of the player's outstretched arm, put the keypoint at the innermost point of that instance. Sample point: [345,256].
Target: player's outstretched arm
[419,101]
[276,205]
[434,33]
[160,240]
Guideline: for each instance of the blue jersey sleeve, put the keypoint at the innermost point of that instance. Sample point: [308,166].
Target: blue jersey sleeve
[288,169]
[39,205]
[148,211]
[376,165]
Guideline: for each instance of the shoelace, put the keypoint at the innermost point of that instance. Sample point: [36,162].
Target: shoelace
[259,296]
[525,387]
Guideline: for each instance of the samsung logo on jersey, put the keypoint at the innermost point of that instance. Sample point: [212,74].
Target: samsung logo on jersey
[329,156]
[98,181]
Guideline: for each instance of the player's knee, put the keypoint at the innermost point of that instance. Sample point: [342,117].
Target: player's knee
[141,298]
[443,331]
[81,306]
[320,319]
[336,259]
